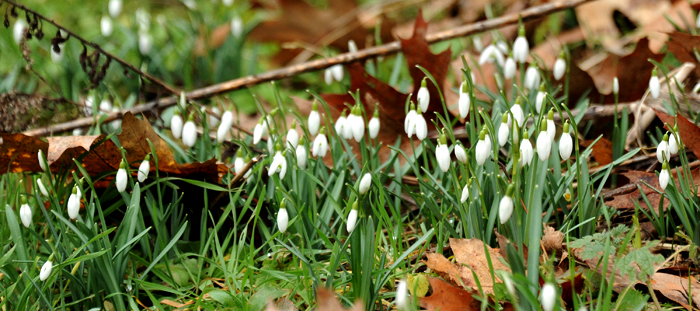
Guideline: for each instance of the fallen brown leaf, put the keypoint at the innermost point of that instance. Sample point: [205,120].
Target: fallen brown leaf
[552,240]
[446,297]
[601,151]
[18,153]
[689,132]
[326,301]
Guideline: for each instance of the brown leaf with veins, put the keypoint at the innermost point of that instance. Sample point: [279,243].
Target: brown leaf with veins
[627,200]
[601,150]
[18,153]
[446,297]
[689,132]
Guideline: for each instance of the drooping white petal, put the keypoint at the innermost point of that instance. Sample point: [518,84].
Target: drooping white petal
[664,178]
[539,100]
[464,103]
[509,68]
[328,76]
[121,180]
[144,169]
[421,127]
[566,145]
[365,183]
[145,42]
[115,7]
[551,129]
[42,188]
[460,153]
[337,72]
[442,155]
[320,146]
[224,126]
[373,127]
[654,86]
[282,220]
[532,78]
[358,128]
[189,134]
[352,220]
[402,296]
[25,214]
[73,206]
[302,156]
[548,296]
[176,126]
[482,152]
[314,122]
[616,86]
[672,144]
[503,133]
[505,209]
[106,26]
[423,98]
[559,68]
[526,152]
[465,194]
[292,138]
[663,153]
[518,114]
[348,127]
[18,30]
[407,123]
[237,26]
[45,271]
[42,160]
[544,146]
[521,49]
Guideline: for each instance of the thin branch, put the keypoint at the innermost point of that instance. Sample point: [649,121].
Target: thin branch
[98,49]
[276,74]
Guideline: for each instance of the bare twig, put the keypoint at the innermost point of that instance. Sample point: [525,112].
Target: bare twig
[276,74]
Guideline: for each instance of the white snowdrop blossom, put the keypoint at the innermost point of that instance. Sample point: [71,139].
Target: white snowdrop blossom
[374,125]
[176,125]
[464,100]
[402,296]
[320,146]
[145,42]
[238,162]
[559,66]
[365,183]
[503,131]
[352,46]
[616,86]
[420,126]
[237,26]
[301,153]
[479,46]
[517,112]
[544,143]
[442,153]
[487,139]
[490,54]
[189,132]
[509,68]
[121,178]
[224,126]
[526,151]
[663,153]
[551,128]
[672,142]
[42,188]
[566,144]
[482,150]
[548,296]
[505,208]
[115,7]
[465,194]
[357,124]
[144,168]
[521,49]
[340,123]
[25,212]
[106,26]
[283,217]
[352,218]
[18,29]
[664,176]
[42,160]
[347,127]
[46,270]
[292,136]
[502,46]
[73,205]
[279,163]
[227,2]
[460,153]
[409,118]
[423,96]
[338,72]
[654,85]
[532,77]
[314,119]
[541,95]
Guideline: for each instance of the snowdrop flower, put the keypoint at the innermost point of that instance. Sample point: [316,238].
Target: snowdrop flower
[464,100]
[423,96]
[503,131]
[42,160]
[183,100]
[340,123]
[105,104]
[115,7]
[559,66]
[258,131]
[145,42]
[526,151]
[227,2]
[616,86]
[352,218]
[46,269]
[482,150]
[664,176]
[18,30]
[478,45]
[365,183]
[320,146]
[532,77]
[672,142]
[490,54]
[189,132]
[442,153]
[551,128]
[106,26]
[521,48]
[420,127]
[409,118]
[654,85]
[338,72]
[328,76]
[357,124]
[540,98]
[57,56]
[301,153]
[663,154]
[509,68]
[567,195]
[238,163]
[544,143]
[314,119]
[237,26]
[505,208]
[292,136]
[465,193]
[502,46]
[144,168]
[73,205]
[25,212]
[487,139]
[176,124]
[517,111]
[402,296]
[224,126]
[279,163]
[283,217]
[143,19]
[42,188]
[347,127]
[374,124]
[548,296]
[460,153]
[121,177]
[352,46]
[566,145]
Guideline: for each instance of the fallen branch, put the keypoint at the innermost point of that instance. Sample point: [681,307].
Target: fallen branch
[276,74]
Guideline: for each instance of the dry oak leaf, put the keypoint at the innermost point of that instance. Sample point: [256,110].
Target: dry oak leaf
[446,297]
[326,301]
[471,260]
[641,178]
[601,150]
[552,240]
[18,153]
[689,132]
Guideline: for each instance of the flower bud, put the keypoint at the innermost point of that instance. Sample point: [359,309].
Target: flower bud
[46,270]
[566,144]
[540,98]
[673,143]
[42,160]
[482,151]
[42,188]
[374,125]
[73,205]
[505,208]
[544,143]
[509,68]
[358,124]
[144,168]
[365,183]
[282,217]
[654,85]
[460,153]
[402,296]
[320,146]
[224,126]
[616,86]
[408,121]
[423,96]
[176,125]
[115,8]
[25,212]
[664,176]
[302,155]
[464,100]
[526,151]
[106,26]
[503,131]
[314,119]
[121,177]
[465,193]
[292,136]
[340,124]
[559,66]
[352,218]
[548,296]
[189,133]
[551,128]
[663,154]
[521,48]
[532,77]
